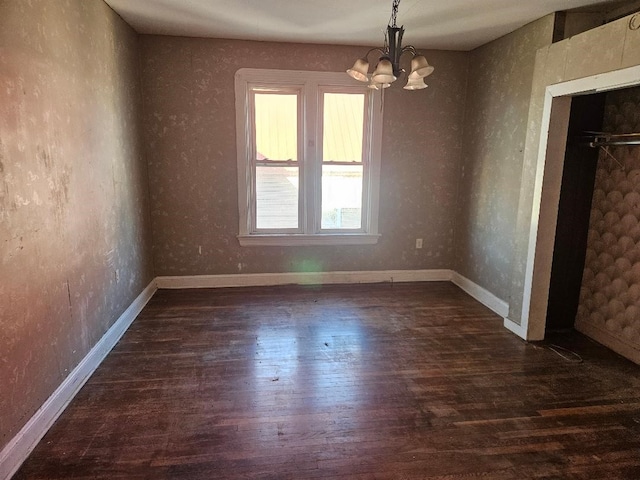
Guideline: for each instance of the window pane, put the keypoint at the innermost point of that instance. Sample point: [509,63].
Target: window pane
[276,126]
[343,127]
[341,196]
[276,197]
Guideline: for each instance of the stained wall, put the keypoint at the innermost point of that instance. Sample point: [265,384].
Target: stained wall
[74,229]
[189,127]
[609,308]
[495,128]
[74,207]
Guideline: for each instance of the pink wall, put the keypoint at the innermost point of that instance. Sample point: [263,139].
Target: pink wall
[74,236]
[500,79]
[189,127]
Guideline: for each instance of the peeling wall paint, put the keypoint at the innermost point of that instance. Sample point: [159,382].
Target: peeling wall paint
[73,192]
[189,126]
[499,90]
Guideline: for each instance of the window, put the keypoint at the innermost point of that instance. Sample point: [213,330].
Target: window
[308,158]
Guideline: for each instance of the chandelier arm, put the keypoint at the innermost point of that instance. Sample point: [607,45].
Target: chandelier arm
[409,48]
[373,50]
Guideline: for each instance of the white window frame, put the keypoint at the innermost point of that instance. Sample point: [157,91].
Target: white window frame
[312,85]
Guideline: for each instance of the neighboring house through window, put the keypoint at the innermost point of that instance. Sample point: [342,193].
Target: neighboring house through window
[308,158]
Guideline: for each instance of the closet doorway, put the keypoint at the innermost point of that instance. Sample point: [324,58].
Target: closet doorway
[594,284]
[574,209]
[548,167]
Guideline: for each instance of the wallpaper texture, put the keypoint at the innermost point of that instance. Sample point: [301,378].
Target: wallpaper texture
[498,94]
[119,152]
[609,308]
[189,128]
[611,47]
[73,192]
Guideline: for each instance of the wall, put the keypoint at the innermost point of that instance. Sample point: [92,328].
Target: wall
[609,308]
[189,126]
[608,48]
[578,22]
[73,192]
[498,93]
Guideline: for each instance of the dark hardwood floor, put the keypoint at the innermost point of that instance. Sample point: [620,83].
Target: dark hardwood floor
[404,381]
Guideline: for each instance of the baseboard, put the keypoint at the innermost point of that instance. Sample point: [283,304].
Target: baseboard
[516,328]
[19,448]
[302,278]
[313,278]
[482,295]
[616,344]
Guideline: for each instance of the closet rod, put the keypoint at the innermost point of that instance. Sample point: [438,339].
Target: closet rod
[610,139]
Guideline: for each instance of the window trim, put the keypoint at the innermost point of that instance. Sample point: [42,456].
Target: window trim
[312,85]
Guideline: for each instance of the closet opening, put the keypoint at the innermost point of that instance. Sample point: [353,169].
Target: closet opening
[594,286]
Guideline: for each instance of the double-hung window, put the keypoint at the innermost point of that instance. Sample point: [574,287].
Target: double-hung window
[308,158]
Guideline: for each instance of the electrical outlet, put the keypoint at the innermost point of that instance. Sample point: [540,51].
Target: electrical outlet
[418,243]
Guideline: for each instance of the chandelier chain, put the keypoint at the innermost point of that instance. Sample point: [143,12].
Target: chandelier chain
[394,13]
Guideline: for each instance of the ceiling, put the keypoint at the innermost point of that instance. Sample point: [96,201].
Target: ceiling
[437,24]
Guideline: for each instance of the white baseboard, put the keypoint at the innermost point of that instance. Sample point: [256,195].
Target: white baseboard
[302,278]
[19,448]
[516,328]
[310,278]
[482,295]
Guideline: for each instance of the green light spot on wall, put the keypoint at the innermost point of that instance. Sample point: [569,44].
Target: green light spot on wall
[308,266]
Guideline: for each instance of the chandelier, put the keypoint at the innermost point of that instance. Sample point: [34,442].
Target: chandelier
[388,68]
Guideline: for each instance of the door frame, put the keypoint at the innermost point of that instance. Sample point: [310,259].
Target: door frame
[546,190]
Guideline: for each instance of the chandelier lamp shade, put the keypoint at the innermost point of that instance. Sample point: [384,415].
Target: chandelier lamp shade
[388,69]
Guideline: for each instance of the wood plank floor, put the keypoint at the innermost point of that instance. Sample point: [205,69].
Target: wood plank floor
[404,381]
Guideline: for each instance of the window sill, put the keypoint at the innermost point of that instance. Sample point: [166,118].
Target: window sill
[296,239]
